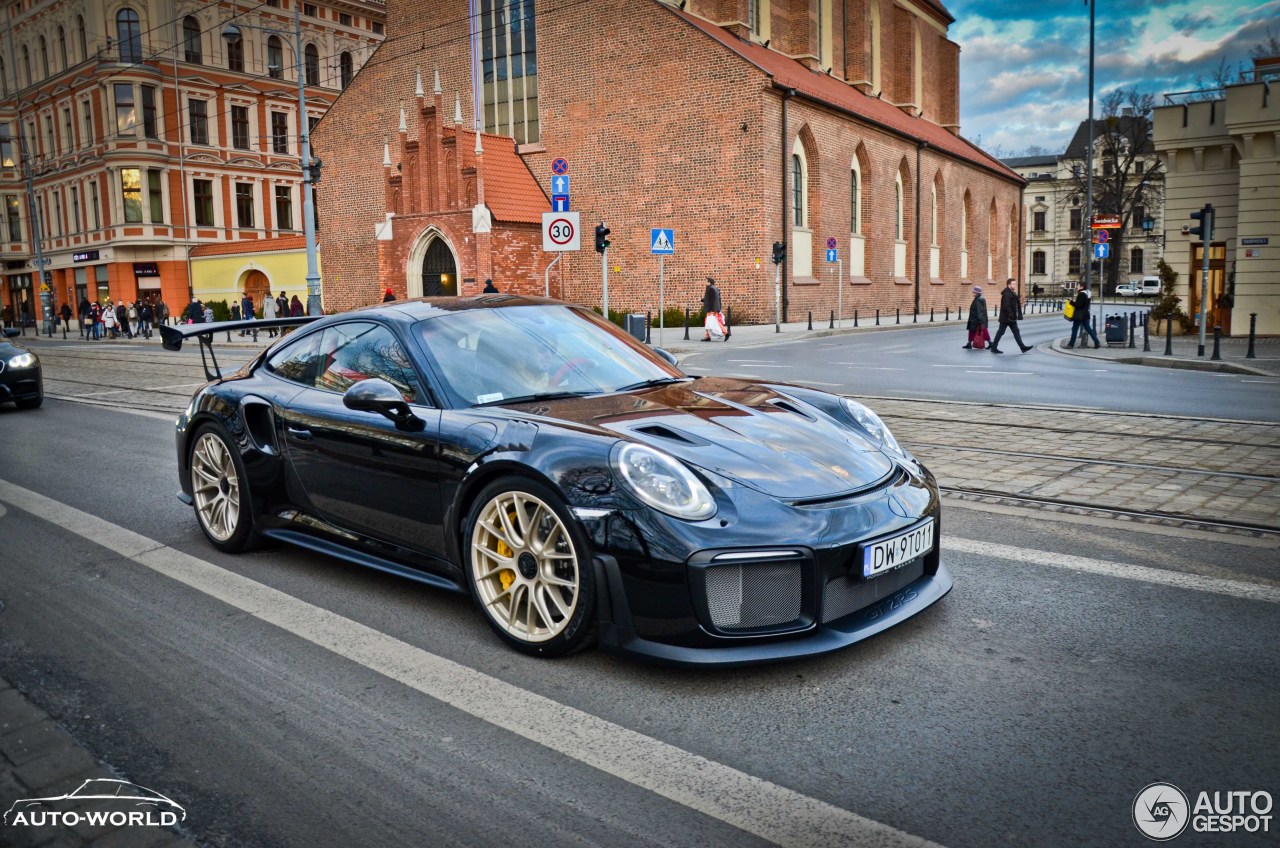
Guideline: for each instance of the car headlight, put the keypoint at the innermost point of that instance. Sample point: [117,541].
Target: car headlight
[871,424]
[22,360]
[663,482]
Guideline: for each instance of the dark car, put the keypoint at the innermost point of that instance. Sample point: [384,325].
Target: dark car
[21,380]
[574,481]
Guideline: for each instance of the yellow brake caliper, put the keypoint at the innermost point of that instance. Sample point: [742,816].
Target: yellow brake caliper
[506,575]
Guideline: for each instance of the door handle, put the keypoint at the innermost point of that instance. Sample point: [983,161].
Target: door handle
[300,433]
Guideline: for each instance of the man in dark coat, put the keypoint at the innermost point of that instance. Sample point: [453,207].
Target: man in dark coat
[1080,319]
[489,287]
[246,309]
[977,317]
[86,318]
[195,312]
[1010,313]
[711,304]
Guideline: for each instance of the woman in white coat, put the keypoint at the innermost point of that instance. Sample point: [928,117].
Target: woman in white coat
[269,312]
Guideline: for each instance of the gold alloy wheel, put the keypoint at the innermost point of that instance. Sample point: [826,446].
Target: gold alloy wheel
[215,486]
[524,566]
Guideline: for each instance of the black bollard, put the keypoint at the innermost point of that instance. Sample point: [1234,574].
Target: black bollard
[930,314]
[1146,331]
[686,325]
[855,319]
[648,327]
[948,314]
[1253,327]
[1133,325]
[1217,342]
[1168,336]
[897,315]
[728,322]
[228,337]
[877,317]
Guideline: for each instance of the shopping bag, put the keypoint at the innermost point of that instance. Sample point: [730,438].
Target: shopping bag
[714,325]
[980,338]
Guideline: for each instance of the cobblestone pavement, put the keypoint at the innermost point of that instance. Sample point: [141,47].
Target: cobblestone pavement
[1203,470]
[38,759]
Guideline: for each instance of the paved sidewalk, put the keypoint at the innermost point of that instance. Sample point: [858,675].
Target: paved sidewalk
[38,759]
[1266,361]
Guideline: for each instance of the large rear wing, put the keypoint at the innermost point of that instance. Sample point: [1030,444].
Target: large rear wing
[173,337]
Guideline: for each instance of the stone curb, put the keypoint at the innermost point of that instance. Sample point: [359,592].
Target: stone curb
[1058,346]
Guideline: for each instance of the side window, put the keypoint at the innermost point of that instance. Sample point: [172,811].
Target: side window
[297,361]
[357,351]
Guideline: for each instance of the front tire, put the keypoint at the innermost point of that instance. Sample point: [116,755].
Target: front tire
[220,491]
[529,570]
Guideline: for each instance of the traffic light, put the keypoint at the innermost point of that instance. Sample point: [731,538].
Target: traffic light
[602,238]
[313,170]
[779,252]
[1205,217]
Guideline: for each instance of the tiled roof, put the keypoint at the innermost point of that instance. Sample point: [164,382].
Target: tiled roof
[1029,161]
[231,248]
[789,73]
[510,190]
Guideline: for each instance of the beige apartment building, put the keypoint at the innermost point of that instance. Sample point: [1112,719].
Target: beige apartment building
[1226,151]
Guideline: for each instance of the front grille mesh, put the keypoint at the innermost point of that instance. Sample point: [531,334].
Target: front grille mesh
[850,593]
[754,595]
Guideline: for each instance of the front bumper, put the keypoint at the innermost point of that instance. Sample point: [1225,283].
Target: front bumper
[21,384]
[820,638]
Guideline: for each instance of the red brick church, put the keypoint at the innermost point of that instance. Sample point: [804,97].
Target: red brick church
[737,123]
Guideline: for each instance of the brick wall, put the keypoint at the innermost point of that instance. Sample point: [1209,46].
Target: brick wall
[662,127]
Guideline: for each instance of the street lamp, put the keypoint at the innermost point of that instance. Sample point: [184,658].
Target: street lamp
[1148,225]
[231,35]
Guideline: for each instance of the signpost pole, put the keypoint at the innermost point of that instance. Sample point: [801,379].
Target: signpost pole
[777,299]
[1204,278]
[662,323]
[547,276]
[840,294]
[604,277]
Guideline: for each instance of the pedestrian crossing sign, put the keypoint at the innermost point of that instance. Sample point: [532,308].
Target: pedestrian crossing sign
[662,242]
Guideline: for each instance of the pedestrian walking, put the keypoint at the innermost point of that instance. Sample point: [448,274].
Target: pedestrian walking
[194,313]
[235,313]
[134,326]
[162,311]
[66,314]
[246,310]
[713,325]
[386,298]
[122,319]
[95,321]
[296,309]
[1080,319]
[208,314]
[489,287]
[146,315]
[269,311]
[977,326]
[110,321]
[86,318]
[1010,315]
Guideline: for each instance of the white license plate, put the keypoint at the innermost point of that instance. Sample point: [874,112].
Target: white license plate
[889,554]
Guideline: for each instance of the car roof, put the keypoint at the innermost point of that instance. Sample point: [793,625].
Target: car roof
[409,311]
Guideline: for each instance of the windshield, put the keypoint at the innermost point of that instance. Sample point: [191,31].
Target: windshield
[524,352]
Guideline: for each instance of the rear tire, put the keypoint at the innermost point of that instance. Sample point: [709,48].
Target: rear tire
[220,491]
[529,570]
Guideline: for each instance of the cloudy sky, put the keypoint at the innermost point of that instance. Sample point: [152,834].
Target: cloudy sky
[1024,66]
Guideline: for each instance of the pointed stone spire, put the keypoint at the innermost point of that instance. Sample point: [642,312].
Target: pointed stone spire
[437,89]
[386,153]
[457,109]
[417,89]
[404,124]
[479,147]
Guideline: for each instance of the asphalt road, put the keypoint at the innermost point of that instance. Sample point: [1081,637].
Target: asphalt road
[929,363]
[288,699]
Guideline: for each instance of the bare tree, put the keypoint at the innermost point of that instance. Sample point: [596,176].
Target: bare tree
[1128,177]
[1269,46]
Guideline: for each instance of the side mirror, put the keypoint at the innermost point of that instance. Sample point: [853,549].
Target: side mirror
[377,395]
[667,355]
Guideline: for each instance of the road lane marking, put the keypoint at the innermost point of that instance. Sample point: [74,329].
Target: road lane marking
[748,803]
[750,361]
[1141,573]
[1010,373]
[963,366]
[817,383]
[1260,381]
[867,367]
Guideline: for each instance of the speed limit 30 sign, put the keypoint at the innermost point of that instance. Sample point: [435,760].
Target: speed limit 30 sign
[560,231]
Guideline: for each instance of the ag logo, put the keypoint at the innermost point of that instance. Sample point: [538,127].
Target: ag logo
[1161,811]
